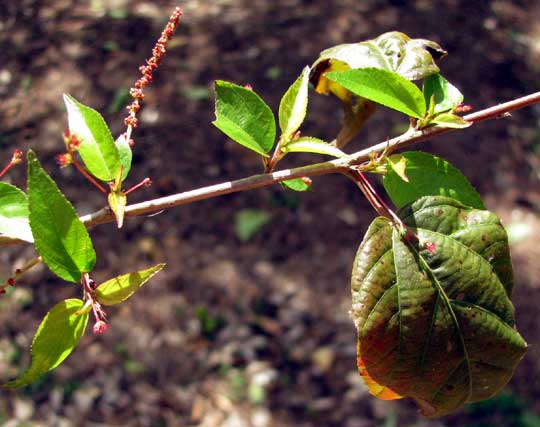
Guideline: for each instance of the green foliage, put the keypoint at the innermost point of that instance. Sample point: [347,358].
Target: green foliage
[384,87]
[296,184]
[249,221]
[308,144]
[445,95]
[14,213]
[57,336]
[244,117]
[98,150]
[60,237]
[125,155]
[120,288]
[293,106]
[210,324]
[434,319]
[428,175]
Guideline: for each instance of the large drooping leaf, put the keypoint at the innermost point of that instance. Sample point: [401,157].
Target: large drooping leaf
[431,307]
[293,105]
[244,117]
[97,149]
[383,87]
[14,213]
[413,59]
[428,175]
[57,336]
[120,288]
[59,236]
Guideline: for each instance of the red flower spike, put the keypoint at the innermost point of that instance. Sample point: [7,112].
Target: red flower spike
[17,157]
[100,327]
[159,50]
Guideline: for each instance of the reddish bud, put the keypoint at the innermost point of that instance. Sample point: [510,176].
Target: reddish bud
[463,108]
[2,291]
[307,180]
[100,327]
[17,271]
[11,281]
[64,160]
[248,87]
[131,143]
[430,246]
[17,157]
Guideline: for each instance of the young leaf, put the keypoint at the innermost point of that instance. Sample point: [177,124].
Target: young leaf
[296,184]
[293,106]
[57,336]
[434,319]
[244,117]
[308,144]
[117,203]
[384,87]
[125,155]
[59,236]
[398,164]
[429,175]
[249,221]
[450,120]
[446,96]
[98,150]
[14,213]
[120,288]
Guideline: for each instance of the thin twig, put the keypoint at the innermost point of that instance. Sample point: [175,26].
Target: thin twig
[334,166]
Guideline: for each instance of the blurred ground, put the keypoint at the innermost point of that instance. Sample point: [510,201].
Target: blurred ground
[248,334]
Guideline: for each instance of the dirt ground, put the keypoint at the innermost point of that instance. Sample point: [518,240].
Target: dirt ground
[254,333]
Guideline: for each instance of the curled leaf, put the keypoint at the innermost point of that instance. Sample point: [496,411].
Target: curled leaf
[432,309]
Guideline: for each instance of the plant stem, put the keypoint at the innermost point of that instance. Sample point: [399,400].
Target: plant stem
[341,165]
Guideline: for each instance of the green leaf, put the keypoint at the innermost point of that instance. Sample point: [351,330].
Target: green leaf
[293,106]
[244,117]
[57,336]
[445,95]
[120,288]
[398,164]
[434,319]
[308,144]
[97,149]
[429,175]
[249,221]
[412,59]
[14,213]
[296,184]
[384,87]
[125,155]
[450,120]
[59,236]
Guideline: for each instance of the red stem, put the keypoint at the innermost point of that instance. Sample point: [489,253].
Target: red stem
[88,176]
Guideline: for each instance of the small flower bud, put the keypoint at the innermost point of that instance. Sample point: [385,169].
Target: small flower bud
[11,281]
[64,160]
[100,327]
[430,246]
[17,157]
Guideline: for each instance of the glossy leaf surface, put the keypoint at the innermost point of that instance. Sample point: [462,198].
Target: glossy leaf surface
[97,149]
[244,117]
[308,144]
[59,236]
[428,175]
[14,213]
[445,95]
[120,288]
[57,336]
[434,319]
[293,105]
[384,87]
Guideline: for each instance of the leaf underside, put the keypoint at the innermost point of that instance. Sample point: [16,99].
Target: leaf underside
[433,314]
